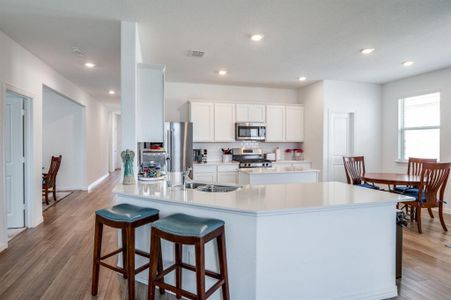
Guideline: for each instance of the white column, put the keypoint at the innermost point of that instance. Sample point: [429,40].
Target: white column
[130,57]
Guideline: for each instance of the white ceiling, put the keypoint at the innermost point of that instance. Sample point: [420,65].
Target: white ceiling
[317,39]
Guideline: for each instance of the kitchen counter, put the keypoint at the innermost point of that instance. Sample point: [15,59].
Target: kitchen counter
[259,199]
[279,174]
[216,163]
[323,240]
[277,170]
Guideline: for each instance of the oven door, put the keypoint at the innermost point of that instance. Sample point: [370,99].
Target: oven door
[250,132]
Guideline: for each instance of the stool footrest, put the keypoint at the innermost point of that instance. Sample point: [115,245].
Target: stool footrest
[173,289]
[142,253]
[216,286]
[207,272]
[119,270]
[166,271]
[111,254]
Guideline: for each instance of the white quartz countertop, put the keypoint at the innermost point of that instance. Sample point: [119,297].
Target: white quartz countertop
[276,170]
[216,163]
[266,199]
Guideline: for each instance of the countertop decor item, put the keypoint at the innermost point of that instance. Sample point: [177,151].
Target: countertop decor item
[127,159]
[226,155]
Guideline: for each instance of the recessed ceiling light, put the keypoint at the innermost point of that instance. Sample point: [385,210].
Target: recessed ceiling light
[367,50]
[257,37]
[89,65]
[222,72]
[302,78]
[407,63]
[111,92]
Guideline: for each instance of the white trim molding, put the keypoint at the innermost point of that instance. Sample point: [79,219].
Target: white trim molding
[97,182]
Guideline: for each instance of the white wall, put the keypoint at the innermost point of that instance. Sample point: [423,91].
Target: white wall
[177,95]
[312,96]
[63,134]
[438,81]
[363,99]
[26,72]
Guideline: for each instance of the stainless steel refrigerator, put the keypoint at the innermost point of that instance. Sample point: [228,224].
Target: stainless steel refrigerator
[179,146]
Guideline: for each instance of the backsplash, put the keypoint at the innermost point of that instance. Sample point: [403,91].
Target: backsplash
[215,153]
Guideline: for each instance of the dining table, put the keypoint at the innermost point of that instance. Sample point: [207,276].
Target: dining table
[392,179]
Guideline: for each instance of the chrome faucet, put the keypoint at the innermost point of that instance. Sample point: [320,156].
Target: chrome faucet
[185,175]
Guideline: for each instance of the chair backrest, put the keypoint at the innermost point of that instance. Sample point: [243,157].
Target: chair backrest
[53,170]
[434,178]
[415,165]
[354,168]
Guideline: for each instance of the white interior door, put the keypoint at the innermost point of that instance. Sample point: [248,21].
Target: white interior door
[340,144]
[14,152]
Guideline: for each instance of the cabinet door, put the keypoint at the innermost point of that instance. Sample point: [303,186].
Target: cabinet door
[242,113]
[294,123]
[205,177]
[224,122]
[250,113]
[257,113]
[228,177]
[275,123]
[202,116]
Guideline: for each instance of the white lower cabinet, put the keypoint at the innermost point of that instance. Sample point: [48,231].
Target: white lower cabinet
[205,177]
[228,177]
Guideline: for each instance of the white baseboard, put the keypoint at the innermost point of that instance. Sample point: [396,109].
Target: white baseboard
[3,247]
[97,182]
[69,188]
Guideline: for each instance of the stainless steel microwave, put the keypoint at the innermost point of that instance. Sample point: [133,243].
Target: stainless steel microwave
[250,131]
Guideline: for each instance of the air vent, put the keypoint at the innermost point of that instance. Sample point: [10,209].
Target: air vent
[77,51]
[196,53]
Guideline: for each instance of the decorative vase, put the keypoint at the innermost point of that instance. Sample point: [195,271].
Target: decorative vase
[127,159]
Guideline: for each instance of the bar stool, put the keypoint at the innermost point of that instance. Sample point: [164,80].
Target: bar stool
[182,230]
[127,217]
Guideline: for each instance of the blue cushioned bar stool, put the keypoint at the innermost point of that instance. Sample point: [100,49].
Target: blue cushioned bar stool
[126,217]
[182,230]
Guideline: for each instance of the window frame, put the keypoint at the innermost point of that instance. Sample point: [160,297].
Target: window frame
[402,129]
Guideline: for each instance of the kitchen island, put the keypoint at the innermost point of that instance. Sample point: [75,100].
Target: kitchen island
[324,240]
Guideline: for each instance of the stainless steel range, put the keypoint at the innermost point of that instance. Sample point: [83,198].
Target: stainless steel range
[250,158]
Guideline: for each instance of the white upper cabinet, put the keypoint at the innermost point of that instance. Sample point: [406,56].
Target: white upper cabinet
[294,116]
[275,123]
[250,113]
[202,116]
[150,103]
[224,122]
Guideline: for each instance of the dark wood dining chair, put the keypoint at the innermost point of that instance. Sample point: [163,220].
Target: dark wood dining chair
[430,194]
[49,178]
[414,168]
[355,170]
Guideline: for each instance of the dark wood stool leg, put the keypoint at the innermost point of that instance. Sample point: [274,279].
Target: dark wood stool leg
[154,254]
[200,270]
[430,213]
[124,252]
[98,231]
[178,270]
[131,261]
[223,265]
[160,266]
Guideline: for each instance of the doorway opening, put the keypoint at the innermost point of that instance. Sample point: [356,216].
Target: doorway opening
[17,130]
[340,143]
[63,134]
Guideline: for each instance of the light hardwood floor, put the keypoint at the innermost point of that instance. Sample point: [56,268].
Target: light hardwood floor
[53,261]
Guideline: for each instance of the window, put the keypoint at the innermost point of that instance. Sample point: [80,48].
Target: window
[419,127]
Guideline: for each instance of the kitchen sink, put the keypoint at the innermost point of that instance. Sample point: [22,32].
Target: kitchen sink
[194,185]
[211,188]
